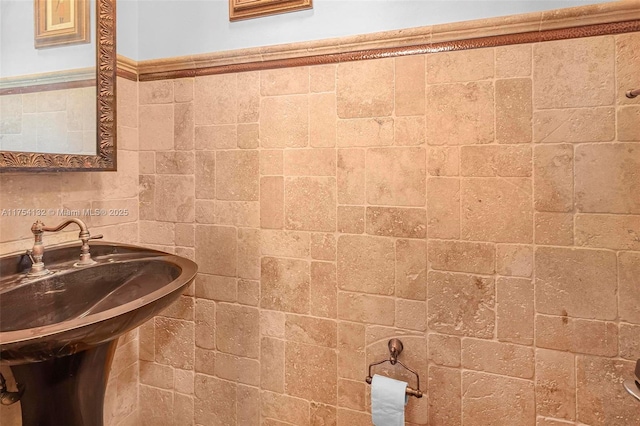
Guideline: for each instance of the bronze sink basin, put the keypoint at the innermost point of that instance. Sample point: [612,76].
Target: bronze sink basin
[58,332]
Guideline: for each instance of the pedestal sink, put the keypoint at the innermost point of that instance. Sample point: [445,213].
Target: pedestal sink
[58,333]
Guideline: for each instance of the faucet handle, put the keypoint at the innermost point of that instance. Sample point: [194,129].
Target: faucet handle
[96,237]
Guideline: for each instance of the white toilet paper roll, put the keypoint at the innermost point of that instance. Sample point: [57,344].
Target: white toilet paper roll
[388,398]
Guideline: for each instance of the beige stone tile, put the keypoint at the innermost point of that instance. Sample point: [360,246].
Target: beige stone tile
[183,381]
[310,203]
[443,161]
[411,269]
[348,417]
[504,359]
[215,401]
[311,331]
[216,137]
[351,176]
[515,310]
[152,232]
[146,351]
[310,162]
[574,125]
[323,415]
[628,118]
[248,256]
[365,88]
[557,65]
[156,406]
[183,126]
[576,282]
[497,400]
[237,213]
[396,176]
[174,198]
[460,113]
[248,98]
[628,345]
[365,132]
[617,232]
[496,210]
[601,399]
[156,127]
[184,234]
[215,99]
[445,397]
[554,229]
[514,260]
[303,365]
[127,103]
[409,131]
[272,364]
[606,178]
[513,61]
[396,222]
[351,394]
[183,308]
[285,243]
[351,219]
[284,81]
[494,160]
[285,285]
[627,47]
[271,162]
[543,421]
[462,256]
[513,110]
[443,208]
[248,136]
[284,121]
[366,264]
[410,85]
[174,342]
[577,335]
[175,162]
[323,246]
[248,405]
[272,323]
[553,180]
[366,308]
[322,120]
[285,408]
[555,384]
[460,304]
[183,89]
[322,78]
[444,350]
[219,258]
[323,291]
[351,336]
[238,330]
[464,65]
[205,168]
[237,175]
[218,288]
[411,314]
[272,202]
[236,369]
[629,282]
[155,92]
[146,162]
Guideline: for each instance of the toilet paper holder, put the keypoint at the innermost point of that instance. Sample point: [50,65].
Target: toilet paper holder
[395,348]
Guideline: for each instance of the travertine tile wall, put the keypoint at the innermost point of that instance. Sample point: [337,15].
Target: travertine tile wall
[482,205]
[49,121]
[59,193]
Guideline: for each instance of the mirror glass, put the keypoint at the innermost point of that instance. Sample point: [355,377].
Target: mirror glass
[57,84]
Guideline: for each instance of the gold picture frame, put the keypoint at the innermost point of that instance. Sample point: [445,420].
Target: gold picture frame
[61,22]
[245,9]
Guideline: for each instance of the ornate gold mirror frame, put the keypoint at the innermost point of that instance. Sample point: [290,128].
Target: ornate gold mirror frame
[105,158]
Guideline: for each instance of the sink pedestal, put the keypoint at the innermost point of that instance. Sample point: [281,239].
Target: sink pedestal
[66,391]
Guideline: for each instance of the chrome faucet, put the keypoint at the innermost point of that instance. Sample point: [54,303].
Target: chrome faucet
[37,252]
